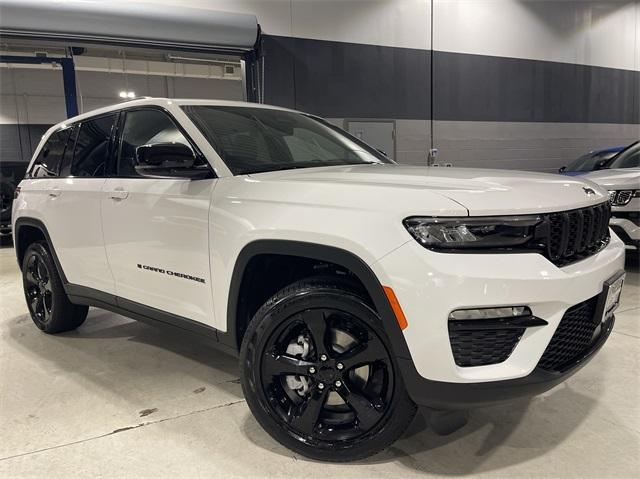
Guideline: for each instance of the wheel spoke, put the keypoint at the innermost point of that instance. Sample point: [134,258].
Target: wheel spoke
[317,325]
[37,303]
[364,353]
[43,274]
[278,364]
[366,411]
[306,416]
[30,277]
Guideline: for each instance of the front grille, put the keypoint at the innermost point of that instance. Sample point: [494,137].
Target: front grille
[481,347]
[574,235]
[573,338]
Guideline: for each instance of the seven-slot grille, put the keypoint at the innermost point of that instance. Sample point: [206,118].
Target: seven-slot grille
[573,338]
[576,234]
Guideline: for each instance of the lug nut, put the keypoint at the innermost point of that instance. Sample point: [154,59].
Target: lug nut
[340,366]
[338,383]
[312,370]
[320,385]
[323,357]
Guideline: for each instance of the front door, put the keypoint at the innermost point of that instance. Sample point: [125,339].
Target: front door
[156,229]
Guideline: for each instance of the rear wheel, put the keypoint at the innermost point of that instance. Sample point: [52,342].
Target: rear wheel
[48,304]
[318,374]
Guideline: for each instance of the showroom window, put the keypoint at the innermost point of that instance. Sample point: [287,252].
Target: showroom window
[144,127]
[47,163]
[92,147]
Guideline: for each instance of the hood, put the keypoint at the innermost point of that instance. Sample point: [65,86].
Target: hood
[619,179]
[480,191]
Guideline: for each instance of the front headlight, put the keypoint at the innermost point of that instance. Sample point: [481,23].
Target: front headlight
[473,233]
[622,197]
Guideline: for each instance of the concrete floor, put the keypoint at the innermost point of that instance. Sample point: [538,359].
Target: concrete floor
[118,398]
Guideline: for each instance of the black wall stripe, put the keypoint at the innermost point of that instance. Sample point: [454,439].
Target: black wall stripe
[335,79]
[346,79]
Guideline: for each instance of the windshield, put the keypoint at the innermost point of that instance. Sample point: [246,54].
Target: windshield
[255,140]
[589,161]
[629,158]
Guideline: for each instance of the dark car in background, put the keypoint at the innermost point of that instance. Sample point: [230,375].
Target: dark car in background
[594,160]
[11,173]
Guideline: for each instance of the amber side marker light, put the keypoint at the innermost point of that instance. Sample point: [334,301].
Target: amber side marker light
[395,306]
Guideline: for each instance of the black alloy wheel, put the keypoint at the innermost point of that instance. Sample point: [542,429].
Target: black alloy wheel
[38,288]
[318,373]
[48,304]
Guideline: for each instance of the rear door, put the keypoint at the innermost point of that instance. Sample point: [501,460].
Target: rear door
[72,211]
[157,229]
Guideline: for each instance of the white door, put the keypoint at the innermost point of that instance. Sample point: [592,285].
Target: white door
[72,210]
[156,230]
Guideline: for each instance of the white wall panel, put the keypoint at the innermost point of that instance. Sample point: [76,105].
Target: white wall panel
[599,33]
[396,23]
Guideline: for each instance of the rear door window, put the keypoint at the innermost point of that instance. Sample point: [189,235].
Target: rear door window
[93,147]
[47,163]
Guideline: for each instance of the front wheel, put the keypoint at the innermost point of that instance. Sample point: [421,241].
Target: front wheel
[318,374]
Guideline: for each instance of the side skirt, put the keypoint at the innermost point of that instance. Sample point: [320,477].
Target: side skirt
[155,317]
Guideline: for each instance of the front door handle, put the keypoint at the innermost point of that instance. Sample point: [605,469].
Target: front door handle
[118,194]
[55,192]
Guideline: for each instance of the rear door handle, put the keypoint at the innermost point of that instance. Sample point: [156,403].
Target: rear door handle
[54,192]
[118,194]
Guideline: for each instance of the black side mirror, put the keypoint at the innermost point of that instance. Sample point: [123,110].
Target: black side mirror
[601,164]
[168,160]
[562,169]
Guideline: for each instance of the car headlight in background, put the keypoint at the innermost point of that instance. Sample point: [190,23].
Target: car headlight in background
[473,233]
[622,197]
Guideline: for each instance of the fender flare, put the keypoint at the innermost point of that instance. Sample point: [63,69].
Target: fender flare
[318,252]
[35,223]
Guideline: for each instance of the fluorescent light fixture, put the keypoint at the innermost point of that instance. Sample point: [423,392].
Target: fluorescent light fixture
[126,94]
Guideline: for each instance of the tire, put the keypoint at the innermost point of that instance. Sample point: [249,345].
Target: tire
[48,304]
[362,406]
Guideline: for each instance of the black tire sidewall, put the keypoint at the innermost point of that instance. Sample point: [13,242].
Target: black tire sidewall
[266,320]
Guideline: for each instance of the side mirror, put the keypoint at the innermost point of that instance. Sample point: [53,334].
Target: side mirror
[562,169]
[601,164]
[168,160]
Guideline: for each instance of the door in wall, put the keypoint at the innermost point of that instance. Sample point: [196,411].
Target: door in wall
[379,134]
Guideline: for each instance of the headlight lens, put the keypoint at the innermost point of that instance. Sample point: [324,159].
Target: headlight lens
[622,197]
[473,233]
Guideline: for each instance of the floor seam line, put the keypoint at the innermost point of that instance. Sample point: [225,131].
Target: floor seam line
[626,334]
[122,429]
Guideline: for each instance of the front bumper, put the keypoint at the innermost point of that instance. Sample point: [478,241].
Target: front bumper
[430,285]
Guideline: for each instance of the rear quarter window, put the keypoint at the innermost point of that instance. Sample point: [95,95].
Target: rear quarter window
[47,163]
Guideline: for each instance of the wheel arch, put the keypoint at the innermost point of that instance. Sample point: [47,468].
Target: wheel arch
[28,230]
[316,252]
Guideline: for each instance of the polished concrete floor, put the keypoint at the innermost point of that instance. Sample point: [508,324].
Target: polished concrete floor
[117,398]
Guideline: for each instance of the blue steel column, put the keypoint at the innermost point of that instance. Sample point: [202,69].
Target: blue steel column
[69,82]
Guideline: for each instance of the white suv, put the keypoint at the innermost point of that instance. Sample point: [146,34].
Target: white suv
[622,178]
[351,287]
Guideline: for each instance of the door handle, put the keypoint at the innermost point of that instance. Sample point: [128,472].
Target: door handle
[54,192]
[118,194]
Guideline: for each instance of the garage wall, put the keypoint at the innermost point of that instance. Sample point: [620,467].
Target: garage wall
[31,100]
[534,84]
[515,83]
